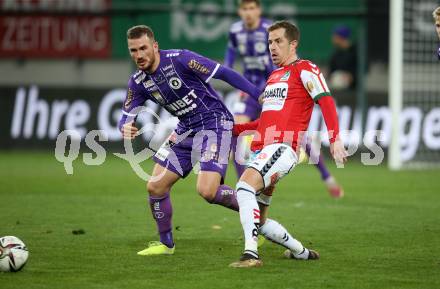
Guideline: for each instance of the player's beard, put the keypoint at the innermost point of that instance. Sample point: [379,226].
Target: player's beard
[146,62]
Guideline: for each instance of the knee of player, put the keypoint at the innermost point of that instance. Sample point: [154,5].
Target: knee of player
[207,192]
[155,189]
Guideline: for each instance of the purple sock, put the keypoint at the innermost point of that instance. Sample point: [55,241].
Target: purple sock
[162,212]
[325,174]
[238,167]
[226,197]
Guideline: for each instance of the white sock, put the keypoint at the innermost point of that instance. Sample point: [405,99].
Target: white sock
[275,232]
[302,255]
[249,216]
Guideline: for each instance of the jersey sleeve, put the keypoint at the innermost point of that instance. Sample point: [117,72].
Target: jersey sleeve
[313,81]
[238,81]
[330,115]
[134,98]
[239,128]
[201,66]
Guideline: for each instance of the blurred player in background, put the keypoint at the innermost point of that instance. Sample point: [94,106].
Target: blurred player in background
[436,15]
[178,80]
[248,37]
[288,102]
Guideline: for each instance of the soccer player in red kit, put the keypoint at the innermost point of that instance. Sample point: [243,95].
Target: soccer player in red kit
[288,101]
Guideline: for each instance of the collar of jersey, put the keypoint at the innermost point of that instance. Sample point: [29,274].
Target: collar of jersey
[293,62]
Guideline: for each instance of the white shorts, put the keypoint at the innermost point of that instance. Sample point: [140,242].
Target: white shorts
[273,162]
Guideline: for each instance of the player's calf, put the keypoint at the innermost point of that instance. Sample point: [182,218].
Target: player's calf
[208,186]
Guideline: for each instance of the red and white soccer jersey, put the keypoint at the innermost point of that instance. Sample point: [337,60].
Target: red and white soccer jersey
[288,102]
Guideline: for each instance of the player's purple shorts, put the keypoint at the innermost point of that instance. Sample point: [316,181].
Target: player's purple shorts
[247,106]
[209,147]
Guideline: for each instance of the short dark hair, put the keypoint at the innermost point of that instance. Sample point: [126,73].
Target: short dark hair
[291,30]
[243,2]
[138,31]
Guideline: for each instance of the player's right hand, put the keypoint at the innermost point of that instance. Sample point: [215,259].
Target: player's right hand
[129,130]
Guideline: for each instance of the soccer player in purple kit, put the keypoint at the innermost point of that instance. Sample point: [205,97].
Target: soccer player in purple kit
[249,37]
[436,15]
[178,80]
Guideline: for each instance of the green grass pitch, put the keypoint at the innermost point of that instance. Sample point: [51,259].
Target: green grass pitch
[385,233]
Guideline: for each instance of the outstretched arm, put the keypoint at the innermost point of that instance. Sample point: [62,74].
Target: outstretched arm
[206,69]
[237,80]
[239,128]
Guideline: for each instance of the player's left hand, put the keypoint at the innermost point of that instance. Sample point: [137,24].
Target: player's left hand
[338,151]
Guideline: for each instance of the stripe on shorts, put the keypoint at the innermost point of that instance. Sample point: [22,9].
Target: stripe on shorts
[276,155]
